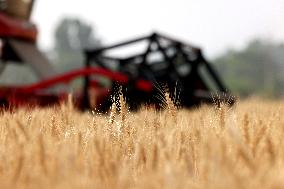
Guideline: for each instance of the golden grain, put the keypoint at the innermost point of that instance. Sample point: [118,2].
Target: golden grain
[202,148]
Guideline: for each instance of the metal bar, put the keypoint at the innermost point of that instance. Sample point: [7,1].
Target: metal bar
[133,57]
[69,76]
[130,58]
[142,54]
[86,99]
[215,77]
[167,58]
[30,54]
[194,75]
[99,50]
[176,41]
[148,50]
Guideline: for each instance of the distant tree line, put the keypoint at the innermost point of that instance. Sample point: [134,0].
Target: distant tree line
[72,37]
[256,69]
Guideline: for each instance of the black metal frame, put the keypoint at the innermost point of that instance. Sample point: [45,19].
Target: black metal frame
[189,84]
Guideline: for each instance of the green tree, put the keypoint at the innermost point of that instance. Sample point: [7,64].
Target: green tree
[257,69]
[72,36]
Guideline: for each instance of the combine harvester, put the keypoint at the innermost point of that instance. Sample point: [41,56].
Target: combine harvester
[164,62]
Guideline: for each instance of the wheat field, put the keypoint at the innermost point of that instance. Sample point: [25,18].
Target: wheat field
[208,147]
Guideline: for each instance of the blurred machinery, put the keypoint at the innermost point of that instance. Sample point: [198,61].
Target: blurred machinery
[169,65]
[143,76]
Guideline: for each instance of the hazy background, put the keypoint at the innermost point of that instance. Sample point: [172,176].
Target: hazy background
[243,39]
[213,25]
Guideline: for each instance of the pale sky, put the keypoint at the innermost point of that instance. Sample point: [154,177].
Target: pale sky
[214,25]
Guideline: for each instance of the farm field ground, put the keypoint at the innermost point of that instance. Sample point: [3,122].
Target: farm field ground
[209,147]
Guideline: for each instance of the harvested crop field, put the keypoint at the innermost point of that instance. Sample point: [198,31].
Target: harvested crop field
[209,147]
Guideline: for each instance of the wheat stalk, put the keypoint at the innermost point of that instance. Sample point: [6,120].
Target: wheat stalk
[239,147]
